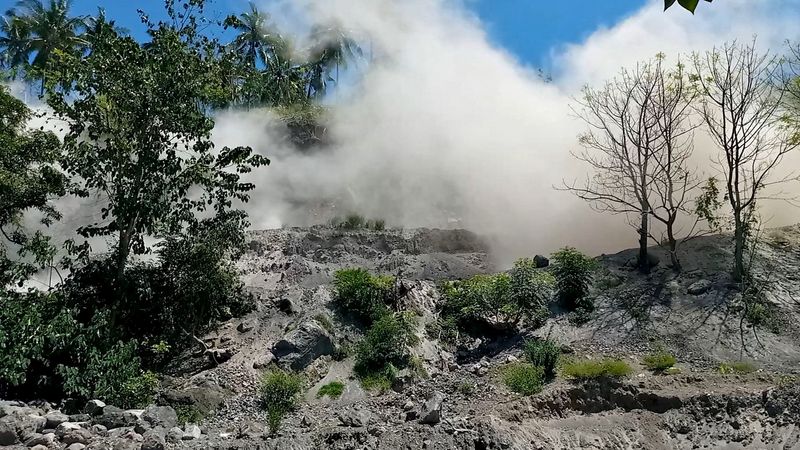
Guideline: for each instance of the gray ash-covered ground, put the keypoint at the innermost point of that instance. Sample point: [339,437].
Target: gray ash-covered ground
[695,315]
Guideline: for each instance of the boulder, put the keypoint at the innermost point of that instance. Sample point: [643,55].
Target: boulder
[353,418]
[160,416]
[77,418]
[247,325]
[286,306]
[174,435]
[262,362]
[302,346]
[191,432]
[8,433]
[203,394]
[402,380]
[55,418]
[80,436]
[76,446]
[41,439]
[699,287]
[540,261]
[94,407]
[99,429]
[66,427]
[153,440]
[431,412]
[29,425]
[114,417]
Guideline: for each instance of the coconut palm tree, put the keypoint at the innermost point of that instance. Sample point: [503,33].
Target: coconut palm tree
[257,41]
[331,50]
[14,48]
[50,29]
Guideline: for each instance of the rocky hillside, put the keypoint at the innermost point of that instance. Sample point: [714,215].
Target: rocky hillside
[456,398]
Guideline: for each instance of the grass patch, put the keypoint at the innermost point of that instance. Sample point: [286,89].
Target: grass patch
[188,413]
[280,393]
[659,361]
[466,388]
[736,367]
[354,222]
[545,354]
[334,390]
[377,381]
[588,369]
[523,378]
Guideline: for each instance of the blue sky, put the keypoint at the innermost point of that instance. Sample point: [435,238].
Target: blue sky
[529,29]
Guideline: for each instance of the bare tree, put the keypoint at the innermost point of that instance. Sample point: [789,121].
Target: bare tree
[742,95]
[639,143]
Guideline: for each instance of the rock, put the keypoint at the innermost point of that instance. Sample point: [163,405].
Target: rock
[80,436]
[94,407]
[8,433]
[76,446]
[191,432]
[540,261]
[160,416]
[41,439]
[66,427]
[114,417]
[408,406]
[29,425]
[262,362]
[153,440]
[40,447]
[286,305]
[511,359]
[99,429]
[354,418]
[402,380]
[220,355]
[55,418]
[302,346]
[699,287]
[132,416]
[204,395]
[77,418]
[247,325]
[431,412]
[175,434]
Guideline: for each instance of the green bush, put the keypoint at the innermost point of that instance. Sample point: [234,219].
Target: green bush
[378,224]
[522,378]
[280,393]
[544,354]
[363,294]
[573,275]
[734,367]
[659,361]
[354,222]
[466,388]
[504,300]
[387,342]
[590,369]
[334,390]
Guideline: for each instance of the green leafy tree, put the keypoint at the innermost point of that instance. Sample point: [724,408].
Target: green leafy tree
[690,5]
[28,182]
[331,51]
[139,131]
[14,48]
[573,272]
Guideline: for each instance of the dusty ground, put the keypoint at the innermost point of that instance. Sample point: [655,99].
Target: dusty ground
[698,408]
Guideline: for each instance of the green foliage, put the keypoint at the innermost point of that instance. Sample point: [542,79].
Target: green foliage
[544,354]
[466,388]
[378,381]
[707,204]
[325,322]
[736,367]
[189,413]
[138,130]
[573,274]
[444,329]
[354,222]
[334,390]
[362,294]
[502,299]
[28,181]
[522,378]
[114,376]
[659,361]
[377,224]
[280,393]
[589,369]
[689,5]
[387,343]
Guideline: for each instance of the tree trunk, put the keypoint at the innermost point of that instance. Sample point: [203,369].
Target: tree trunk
[123,250]
[644,264]
[673,250]
[738,253]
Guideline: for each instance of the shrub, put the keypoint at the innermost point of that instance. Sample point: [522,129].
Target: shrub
[334,390]
[378,225]
[544,354]
[189,413]
[280,392]
[466,388]
[522,378]
[590,369]
[740,367]
[573,276]
[659,361]
[363,294]
[387,342]
[503,300]
[354,222]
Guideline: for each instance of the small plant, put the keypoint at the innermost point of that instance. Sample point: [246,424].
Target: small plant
[325,322]
[659,361]
[387,342]
[363,294]
[354,222]
[736,367]
[280,392]
[189,413]
[590,369]
[378,381]
[573,274]
[378,225]
[334,390]
[544,354]
[466,388]
[522,378]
